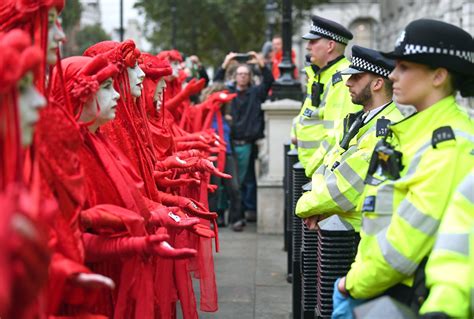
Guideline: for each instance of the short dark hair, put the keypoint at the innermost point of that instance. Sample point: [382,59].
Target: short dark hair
[388,86]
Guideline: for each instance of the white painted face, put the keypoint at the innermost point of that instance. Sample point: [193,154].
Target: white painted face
[135,77]
[158,97]
[107,98]
[30,102]
[55,36]
[176,66]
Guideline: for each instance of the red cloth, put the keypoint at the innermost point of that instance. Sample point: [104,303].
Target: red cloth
[277,58]
[127,131]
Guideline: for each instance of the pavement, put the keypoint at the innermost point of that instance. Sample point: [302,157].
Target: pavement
[251,276]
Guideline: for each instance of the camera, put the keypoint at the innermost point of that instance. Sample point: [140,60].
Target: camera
[242,57]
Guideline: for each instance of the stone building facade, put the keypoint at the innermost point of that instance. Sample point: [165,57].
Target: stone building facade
[91,13]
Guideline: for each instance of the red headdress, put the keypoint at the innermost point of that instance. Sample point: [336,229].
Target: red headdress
[32,17]
[123,54]
[14,46]
[82,77]
[129,131]
[170,55]
[156,68]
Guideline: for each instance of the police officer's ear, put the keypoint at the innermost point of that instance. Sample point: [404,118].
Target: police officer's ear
[331,46]
[377,84]
[441,78]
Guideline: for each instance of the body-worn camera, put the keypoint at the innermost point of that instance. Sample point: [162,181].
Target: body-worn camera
[242,57]
[386,159]
[316,91]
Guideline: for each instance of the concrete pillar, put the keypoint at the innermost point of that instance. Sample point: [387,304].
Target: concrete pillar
[270,194]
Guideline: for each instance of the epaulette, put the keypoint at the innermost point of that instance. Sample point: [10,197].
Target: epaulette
[381,127]
[441,134]
[336,78]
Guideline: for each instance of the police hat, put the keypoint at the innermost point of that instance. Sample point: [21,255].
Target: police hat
[324,28]
[368,60]
[437,44]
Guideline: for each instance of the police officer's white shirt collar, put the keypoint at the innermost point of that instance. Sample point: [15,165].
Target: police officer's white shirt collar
[372,113]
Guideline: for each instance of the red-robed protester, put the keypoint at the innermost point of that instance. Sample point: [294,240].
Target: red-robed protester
[24,256]
[124,133]
[111,180]
[66,272]
[124,54]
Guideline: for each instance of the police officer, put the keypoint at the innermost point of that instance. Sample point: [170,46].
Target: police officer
[418,165]
[450,268]
[327,101]
[338,183]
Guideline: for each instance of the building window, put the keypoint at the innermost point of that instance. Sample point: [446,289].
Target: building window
[363,31]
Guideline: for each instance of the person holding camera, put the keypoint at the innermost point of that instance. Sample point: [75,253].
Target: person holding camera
[247,115]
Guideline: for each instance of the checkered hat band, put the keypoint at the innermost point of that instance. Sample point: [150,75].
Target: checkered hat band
[416,49]
[327,33]
[365,65]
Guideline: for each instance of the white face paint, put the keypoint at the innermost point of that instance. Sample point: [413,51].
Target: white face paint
[158,97]
[175,66]
[30,102]
[55,36]
[135,77]
[107,98]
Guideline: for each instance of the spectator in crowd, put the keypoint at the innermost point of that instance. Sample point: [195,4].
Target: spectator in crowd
[277,56]
[231,187]
[247,115]
[195,70]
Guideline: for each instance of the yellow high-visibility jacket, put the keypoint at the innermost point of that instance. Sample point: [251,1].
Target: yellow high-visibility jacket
[450,268]
[317,123]
[337,185]
[401,217]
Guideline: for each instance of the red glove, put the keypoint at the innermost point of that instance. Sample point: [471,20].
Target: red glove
[181,146]
[200,136]
[29,259]
[172,218]
[166,182]
[171,162]
[165,250]
[203,231]
[212,188]
[187,205]
[221,145]
[193,87]
[93,281]
[221,97]
[107,219]
[204,165]
[100,248]
[190,153]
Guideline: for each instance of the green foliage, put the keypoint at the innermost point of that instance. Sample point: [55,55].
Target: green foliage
[88,36]
[211,28]
[71,15]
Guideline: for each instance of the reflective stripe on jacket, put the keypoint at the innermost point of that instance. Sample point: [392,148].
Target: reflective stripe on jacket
[316,124]
[450,268]
[339,190]
[401,217]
